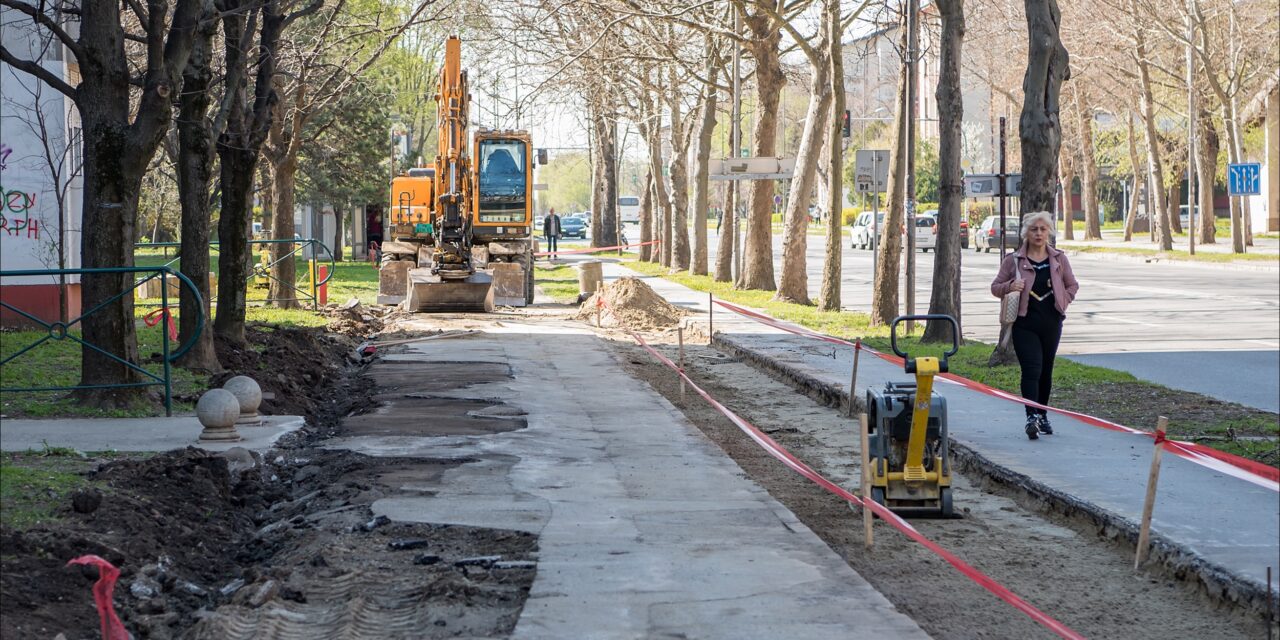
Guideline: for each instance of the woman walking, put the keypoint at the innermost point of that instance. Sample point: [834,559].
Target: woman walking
[1042,275]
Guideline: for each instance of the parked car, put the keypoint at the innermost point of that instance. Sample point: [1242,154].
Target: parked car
[1184,216]
[926,232]
[861,231]
[964,227]
[988,236]
[573,227]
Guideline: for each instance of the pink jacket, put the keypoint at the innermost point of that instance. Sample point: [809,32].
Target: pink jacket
[1060,276]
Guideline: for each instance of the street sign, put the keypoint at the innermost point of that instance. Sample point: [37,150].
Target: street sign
[752,168]
[871,170]
[985,185]
[1244,179]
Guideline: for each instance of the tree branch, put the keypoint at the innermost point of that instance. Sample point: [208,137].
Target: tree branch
[45,21]
[44,75]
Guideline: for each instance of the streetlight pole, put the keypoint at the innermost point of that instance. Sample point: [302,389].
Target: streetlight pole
[913,37]
[1191,136]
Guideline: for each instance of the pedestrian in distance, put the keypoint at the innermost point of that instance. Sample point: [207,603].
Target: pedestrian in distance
[551,231]
[1043,277]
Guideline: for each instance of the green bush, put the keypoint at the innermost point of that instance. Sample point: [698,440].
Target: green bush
[922,207]
[849,215]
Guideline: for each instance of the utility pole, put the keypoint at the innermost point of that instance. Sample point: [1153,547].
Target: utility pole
[1191,136]
[735,133]
[1003,178]
[913,38]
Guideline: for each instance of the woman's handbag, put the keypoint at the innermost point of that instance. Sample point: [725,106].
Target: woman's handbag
[1009,307]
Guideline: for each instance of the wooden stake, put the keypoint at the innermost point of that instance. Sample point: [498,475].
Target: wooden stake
[680,335]
[867,517]
[711,316]
[853,377]
[1144,531]
[597,315]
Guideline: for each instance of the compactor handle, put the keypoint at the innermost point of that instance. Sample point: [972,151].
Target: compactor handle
[955,332]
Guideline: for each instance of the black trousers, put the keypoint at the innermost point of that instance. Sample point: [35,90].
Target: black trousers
[552,244]
[1035,340]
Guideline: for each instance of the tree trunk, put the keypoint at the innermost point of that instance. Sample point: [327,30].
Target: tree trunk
[793,286]
[283,289]
[1040,131]
[1158,213]
[724,241]
[677,169]
[1088,167]
[1137,172]
[884,302]
[702,168]
[238,152]
[1173,202]
[1206,168]
[1067,166]
[604,211]
[339,213]
[662,200]
[757,264]
[945,296]
[829,293]
[646,219]
[1238,239]
[194,171]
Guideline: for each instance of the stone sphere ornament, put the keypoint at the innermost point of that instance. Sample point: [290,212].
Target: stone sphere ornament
[249,395]
[217,411]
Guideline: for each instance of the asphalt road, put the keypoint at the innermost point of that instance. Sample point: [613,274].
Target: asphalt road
[1123,307]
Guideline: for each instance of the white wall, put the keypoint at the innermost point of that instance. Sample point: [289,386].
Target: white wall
[29,211]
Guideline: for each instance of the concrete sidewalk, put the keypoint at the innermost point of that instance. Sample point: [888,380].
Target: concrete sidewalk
[1223,529]
[136,434]
[645,528]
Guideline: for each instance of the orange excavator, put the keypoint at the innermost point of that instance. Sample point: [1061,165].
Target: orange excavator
[461,229]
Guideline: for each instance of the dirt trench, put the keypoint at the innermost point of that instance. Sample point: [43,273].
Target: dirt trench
[1064,568]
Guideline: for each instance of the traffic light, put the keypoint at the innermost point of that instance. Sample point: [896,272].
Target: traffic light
[847,129]
[542,156]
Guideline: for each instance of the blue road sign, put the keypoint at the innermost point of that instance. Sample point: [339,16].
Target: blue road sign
[1244,179]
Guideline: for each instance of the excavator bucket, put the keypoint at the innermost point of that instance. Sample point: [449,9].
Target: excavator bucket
[433,294]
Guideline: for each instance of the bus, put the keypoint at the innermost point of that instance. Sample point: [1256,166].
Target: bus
[629,209]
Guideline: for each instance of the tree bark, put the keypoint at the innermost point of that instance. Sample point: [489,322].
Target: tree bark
[945,297]
[1206,168]
[339,215]
[1040,130]
[757,264]
[194,173]
[661,198]
[1157,211]
[884,303]
[1067,166]
[702,168]
[1088,166]
[829,292]
[1173,202]
[1137,172]
[121,133]
[724,241]
[647,252]
[604,212]
[239,147]
[282,289]
[793,286]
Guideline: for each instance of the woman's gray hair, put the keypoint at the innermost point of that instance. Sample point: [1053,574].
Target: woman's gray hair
[1034,217]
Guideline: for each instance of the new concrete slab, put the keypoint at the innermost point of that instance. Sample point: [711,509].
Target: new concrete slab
[1224,528]
[136,434]
[646,528]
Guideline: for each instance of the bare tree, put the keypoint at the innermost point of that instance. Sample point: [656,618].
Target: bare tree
[945,297]
[829,293]
[884,302]
[763,46]
[122,129]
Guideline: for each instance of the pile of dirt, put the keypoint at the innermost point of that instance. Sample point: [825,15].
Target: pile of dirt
[303,371]
[230,545]
[630,303]
[171,523]
[353,319]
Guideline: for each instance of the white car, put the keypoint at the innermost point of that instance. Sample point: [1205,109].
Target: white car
[926,232]
[861,232]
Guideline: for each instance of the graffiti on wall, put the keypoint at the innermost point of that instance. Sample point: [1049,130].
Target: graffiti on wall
[15,218]
[5,150]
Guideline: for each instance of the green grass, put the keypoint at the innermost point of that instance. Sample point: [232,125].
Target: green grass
[558,283]
[33,485]
[1180,254]
[1077,385]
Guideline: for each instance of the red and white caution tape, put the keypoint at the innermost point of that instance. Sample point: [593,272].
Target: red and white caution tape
[1235,466]
[153,318]
[785,457]
[595,249]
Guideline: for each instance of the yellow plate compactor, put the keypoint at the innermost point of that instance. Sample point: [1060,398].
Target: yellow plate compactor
[907,424]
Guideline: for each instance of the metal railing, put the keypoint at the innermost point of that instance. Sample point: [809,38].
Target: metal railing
[57,331]
[262,271]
